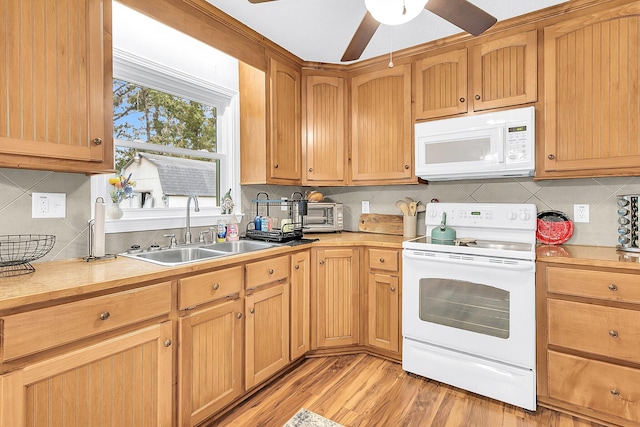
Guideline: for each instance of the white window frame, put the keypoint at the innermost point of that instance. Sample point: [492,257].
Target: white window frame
[151,74]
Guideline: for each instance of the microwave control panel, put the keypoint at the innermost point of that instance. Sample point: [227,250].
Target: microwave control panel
[517,141]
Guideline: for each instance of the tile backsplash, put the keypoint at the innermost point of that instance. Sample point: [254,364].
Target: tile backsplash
[17,185]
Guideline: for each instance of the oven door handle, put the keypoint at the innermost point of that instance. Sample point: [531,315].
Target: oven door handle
[521,266]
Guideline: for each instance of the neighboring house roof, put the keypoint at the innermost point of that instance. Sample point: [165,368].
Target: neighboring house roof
[180,176]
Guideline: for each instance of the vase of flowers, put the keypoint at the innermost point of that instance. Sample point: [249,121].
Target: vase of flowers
[122,190]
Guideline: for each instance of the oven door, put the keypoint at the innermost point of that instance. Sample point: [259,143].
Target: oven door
[472,304]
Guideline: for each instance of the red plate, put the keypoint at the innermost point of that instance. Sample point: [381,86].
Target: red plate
[554,227]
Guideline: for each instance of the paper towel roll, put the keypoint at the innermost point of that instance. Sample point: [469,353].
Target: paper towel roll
[98,229]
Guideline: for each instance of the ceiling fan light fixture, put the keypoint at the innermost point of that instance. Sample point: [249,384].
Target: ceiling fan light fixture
[394,12]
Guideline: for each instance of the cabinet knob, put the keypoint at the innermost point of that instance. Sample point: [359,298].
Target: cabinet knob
[167,343]
[613,287]
[614,392]
[321,262]
[381,260]
[275,166]
[393,289]
[551,157]
[613,334]
[252,310]
[216,286]
[310,169]
[105,315]
[406,166]
[462,99]
[478,97]
[271,271]
[97,141]
[239,315]
[297,267]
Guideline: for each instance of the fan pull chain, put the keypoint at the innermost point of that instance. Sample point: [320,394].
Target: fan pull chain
[391,47]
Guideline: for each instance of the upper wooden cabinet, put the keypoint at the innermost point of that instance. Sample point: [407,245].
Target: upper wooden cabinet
[591,95]
[498,71]
[325,147]
[381,127]
[285,161]
[56,106]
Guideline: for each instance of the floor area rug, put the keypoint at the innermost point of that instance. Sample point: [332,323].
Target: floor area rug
[306,418]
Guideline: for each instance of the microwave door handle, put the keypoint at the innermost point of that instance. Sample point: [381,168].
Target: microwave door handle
[501,144]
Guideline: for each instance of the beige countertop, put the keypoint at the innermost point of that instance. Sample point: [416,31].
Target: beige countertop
[594,256]
[71,278]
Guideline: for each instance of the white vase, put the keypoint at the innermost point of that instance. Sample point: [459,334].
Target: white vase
[115,212]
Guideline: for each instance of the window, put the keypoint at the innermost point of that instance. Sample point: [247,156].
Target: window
[164,82]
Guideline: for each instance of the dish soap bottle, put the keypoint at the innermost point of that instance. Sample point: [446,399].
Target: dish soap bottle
[232,229]
[222,231]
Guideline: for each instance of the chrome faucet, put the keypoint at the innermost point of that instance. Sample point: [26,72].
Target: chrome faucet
[187,234]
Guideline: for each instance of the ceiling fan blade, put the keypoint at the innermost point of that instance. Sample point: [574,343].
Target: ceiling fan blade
[259,1]
[462,14]
[361,38]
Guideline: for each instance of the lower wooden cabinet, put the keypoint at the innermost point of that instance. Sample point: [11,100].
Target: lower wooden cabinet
[299,321]
[383,299]
[336,292]
[125,380]
[210,361]
[588,331]
[267,332]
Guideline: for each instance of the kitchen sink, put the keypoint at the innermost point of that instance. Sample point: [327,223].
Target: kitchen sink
[193,253]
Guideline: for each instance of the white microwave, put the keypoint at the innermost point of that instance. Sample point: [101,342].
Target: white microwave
[490,145]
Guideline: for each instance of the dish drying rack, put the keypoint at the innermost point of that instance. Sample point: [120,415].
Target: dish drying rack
[18,250]
[283,215]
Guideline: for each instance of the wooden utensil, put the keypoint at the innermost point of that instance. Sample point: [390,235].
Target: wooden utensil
[403,206]
[412,208]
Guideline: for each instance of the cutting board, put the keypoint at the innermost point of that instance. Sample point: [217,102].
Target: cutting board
[381,224]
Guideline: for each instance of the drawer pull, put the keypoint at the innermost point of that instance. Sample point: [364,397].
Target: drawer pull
[105,315]
[614,392]
[239,315]
[613,334]
[297,267]
[381,260]
[321,262]
[167,343]
[613,287]
[393,289]
[216,286]
[271,271]
[252,310]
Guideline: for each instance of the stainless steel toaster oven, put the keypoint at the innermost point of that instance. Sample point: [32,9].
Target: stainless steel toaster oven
[323,218]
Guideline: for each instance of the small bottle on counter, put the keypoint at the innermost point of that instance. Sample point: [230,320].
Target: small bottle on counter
[232,229]
[222,231]
[257,223]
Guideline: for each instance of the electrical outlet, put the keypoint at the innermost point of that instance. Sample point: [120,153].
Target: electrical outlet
[580,213]
[365,206]
[48,205]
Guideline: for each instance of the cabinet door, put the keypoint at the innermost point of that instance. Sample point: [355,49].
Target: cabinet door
[336,297]
[441,85]
[325,148]
[384,312]
[210,363]
[592,96]
[267,333]
[126,380]
[284,145]
[300,279]
[381,127]
[505,71]
[54,103]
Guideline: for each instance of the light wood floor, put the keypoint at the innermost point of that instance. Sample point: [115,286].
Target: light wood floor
[361,390]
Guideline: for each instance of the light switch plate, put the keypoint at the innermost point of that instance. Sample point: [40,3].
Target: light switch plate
[365,206]
[48,205]
[580,213]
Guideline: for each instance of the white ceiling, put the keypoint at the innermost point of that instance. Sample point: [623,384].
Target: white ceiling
[320,30]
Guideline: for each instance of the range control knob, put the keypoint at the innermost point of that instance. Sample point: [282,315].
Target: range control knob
[512,215]
[524,215]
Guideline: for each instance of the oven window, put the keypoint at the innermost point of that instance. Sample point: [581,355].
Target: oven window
[465,305]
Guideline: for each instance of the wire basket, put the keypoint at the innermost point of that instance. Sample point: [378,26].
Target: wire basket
[18,250]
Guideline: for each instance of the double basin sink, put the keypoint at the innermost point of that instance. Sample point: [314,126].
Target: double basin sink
[199,252]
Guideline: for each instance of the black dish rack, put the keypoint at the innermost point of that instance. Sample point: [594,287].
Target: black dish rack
[283,216]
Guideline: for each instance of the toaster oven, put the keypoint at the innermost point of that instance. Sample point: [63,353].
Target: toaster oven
[323,218]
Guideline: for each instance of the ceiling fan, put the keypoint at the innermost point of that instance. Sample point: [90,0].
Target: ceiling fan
[460,13]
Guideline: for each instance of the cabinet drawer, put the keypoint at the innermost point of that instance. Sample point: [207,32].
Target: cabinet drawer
[384,259]
[267,271]
[607,331]
[209,286]
[605,285]
[33,331]
[597,385]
